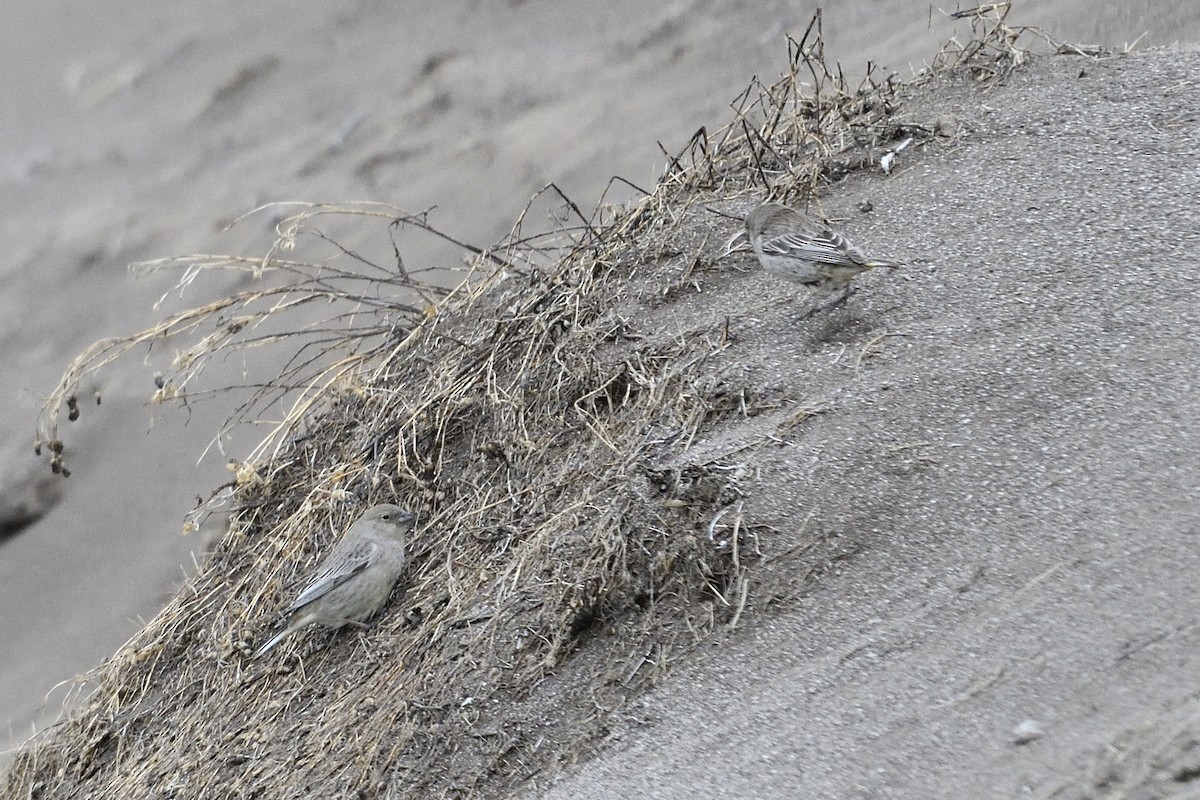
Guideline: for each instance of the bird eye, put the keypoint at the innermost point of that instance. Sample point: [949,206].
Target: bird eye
[387,516]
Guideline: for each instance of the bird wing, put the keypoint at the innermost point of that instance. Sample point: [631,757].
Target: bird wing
[822,245]
[339,566]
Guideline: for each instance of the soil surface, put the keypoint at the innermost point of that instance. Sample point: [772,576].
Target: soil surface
[1005,454]
[1007,460]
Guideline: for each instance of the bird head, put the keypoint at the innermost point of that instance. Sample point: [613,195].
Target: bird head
[401,518]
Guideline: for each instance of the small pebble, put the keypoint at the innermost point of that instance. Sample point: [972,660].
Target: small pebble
[1028,731]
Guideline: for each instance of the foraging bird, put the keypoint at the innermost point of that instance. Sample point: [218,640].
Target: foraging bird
[801,248]
[355,580]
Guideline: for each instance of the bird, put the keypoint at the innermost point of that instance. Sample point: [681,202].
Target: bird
[356,578]
[803,249]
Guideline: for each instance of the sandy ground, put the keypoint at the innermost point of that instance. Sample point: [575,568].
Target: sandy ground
[139,130]
[1005,464]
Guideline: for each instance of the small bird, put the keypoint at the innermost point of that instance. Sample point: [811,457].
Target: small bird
[354,581]
[801,248]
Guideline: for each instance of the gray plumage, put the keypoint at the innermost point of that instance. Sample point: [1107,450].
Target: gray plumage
[356,578]
[801,248]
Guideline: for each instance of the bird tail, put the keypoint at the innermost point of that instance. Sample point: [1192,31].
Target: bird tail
[884,265]
[274,640]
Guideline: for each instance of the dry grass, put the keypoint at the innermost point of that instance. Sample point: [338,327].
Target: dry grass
[545,446]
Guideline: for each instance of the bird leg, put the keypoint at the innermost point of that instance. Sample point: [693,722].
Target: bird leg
[819,305]
[839,298]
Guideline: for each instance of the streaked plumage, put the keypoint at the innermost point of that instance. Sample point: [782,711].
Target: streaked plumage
[801,248]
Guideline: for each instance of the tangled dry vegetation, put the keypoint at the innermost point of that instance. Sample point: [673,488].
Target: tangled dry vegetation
[545,444]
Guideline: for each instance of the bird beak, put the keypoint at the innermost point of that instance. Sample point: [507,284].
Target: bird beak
[733,246]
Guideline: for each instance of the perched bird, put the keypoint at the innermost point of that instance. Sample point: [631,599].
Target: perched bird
[356,578]
[801,248]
